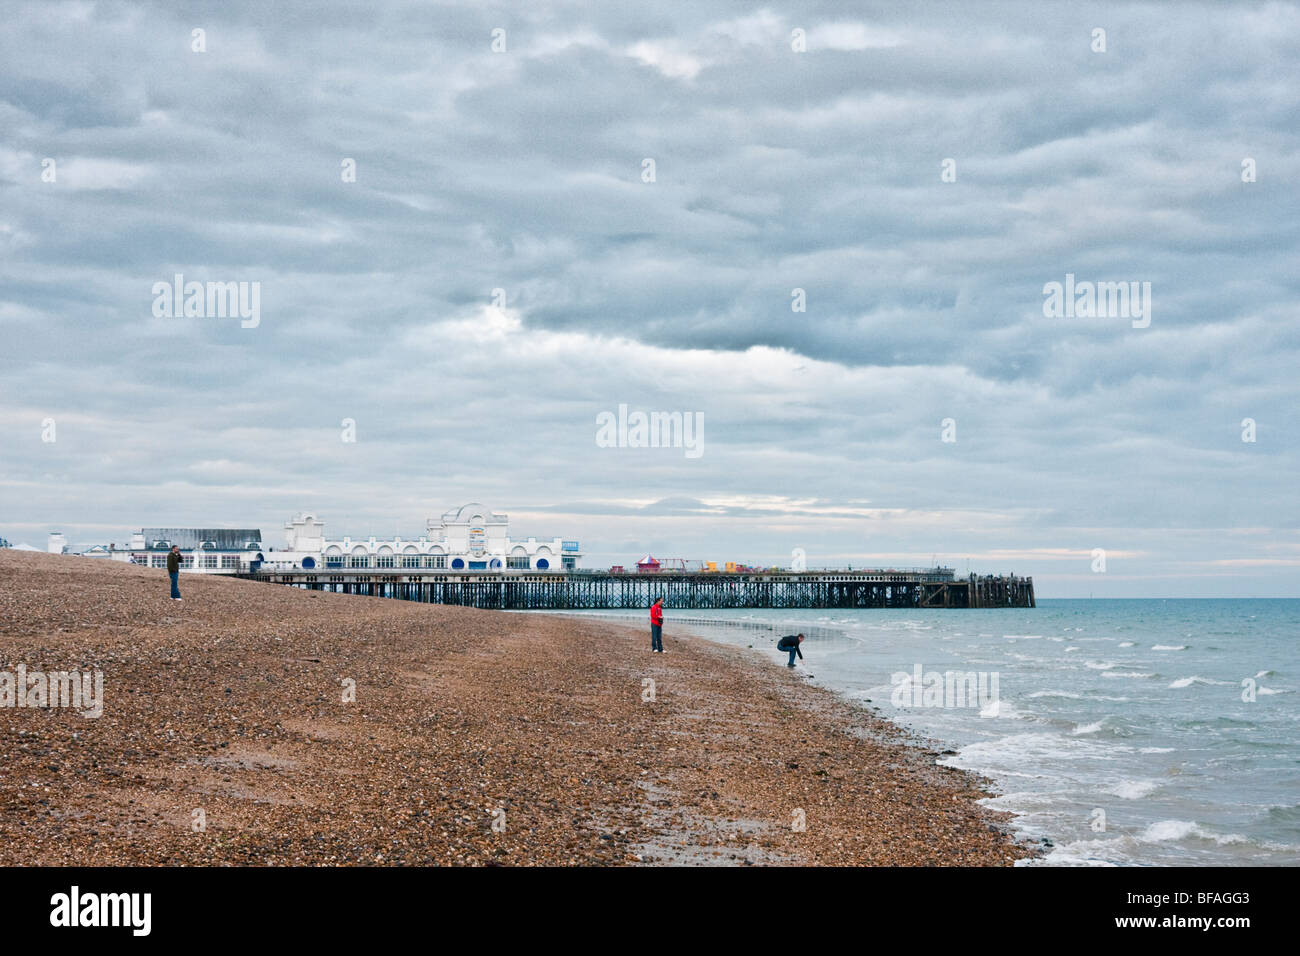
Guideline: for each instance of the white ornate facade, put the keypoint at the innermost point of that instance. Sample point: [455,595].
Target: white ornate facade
[469,538]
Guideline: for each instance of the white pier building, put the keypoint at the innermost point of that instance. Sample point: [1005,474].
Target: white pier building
[468,538]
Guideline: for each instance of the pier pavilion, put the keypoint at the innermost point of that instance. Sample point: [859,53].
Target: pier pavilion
[470,538]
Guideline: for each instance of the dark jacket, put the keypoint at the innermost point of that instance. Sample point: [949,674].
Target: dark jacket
[790,643]
[173,562]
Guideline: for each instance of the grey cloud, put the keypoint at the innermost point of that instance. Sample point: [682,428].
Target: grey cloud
[775,170]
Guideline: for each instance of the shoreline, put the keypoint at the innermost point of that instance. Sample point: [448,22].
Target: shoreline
[230,703]
[892,734]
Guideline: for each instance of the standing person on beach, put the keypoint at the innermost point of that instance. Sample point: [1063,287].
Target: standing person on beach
[791,643]
[657,626]
[174,570]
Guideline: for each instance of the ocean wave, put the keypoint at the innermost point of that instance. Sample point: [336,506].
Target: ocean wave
[1156,750]
[1132,789]
[1132,674]
[1194,679]
[1168,647]
[1013,754]
[1075,854]
[1027,657]
[1000,708]
[1283,813]
[1099,665]
[1167,830]
[1022,802]
[1125,643]
[1068,695]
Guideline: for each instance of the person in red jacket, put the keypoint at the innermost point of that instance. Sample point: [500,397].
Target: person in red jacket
[657,626]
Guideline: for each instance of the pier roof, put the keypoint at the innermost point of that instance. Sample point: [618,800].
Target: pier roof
[223,539]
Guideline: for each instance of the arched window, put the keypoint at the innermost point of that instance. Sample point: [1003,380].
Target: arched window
[543,564]
[457,564]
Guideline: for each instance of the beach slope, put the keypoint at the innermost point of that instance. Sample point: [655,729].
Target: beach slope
[229,736]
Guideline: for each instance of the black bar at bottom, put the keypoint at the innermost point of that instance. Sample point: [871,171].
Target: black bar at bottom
[943,909]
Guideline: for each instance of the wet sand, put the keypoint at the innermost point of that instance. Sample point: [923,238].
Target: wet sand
[231,702]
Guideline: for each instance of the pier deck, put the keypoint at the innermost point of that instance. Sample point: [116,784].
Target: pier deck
[573,590]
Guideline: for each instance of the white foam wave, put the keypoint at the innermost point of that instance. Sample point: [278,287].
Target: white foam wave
[1081,853]
[1194,679]
[1167,830]
[1133,789]
[1014,754]
[1000,708]
[1168,647]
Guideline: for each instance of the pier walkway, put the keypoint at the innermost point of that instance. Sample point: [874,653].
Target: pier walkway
[552,590]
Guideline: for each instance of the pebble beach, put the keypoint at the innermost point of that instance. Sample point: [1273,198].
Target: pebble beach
[256,724]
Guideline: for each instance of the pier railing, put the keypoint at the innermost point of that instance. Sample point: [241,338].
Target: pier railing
[549,590]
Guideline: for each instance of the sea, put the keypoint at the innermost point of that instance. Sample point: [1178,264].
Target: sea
[1118,732]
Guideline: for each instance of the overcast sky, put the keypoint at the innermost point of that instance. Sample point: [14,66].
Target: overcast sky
[775,169]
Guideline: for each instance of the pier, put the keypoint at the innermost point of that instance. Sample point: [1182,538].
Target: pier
[601,590]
